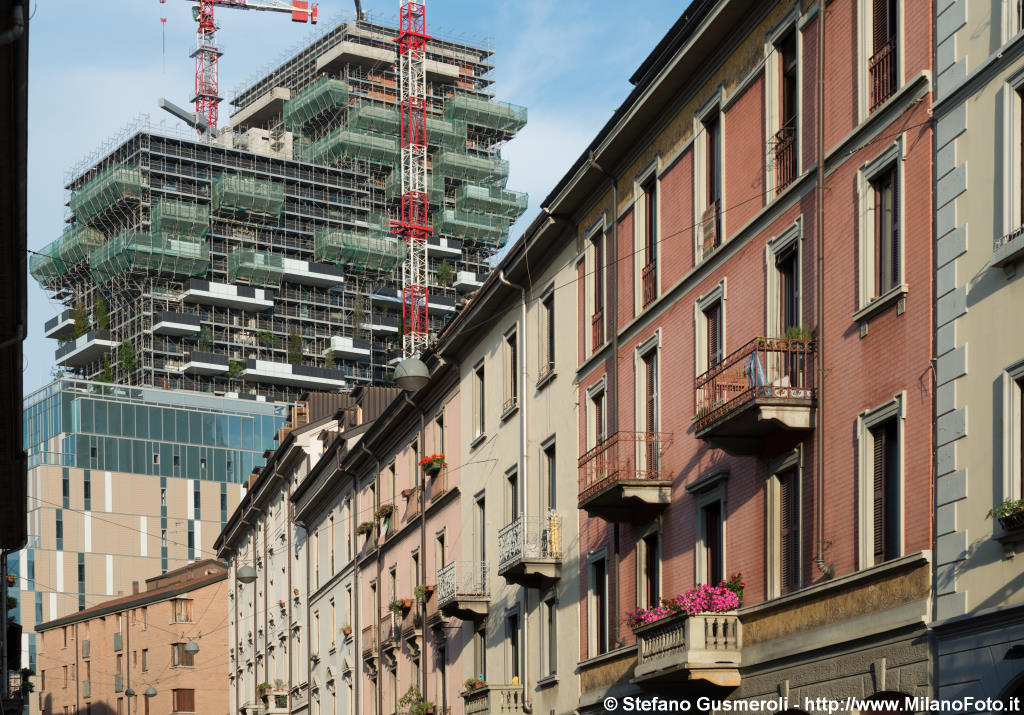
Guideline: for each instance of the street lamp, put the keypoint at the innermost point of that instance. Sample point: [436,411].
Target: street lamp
[149,692]
[191,647]
[411,374]
[246,574]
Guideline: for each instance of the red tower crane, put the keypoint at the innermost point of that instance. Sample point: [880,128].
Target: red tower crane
[207,55]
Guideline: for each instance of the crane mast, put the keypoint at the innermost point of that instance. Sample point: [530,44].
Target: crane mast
[207,56]
[414,224]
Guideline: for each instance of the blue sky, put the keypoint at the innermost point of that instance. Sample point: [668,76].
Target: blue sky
[97,65]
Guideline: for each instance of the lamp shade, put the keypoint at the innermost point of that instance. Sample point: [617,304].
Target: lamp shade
[149,692]
[411,374]
[246,574]
[191,647]
[129,693]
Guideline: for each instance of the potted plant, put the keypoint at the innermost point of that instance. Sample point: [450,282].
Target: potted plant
[475,683]
[346,630]
[432,463]
[281,604]
[699,599]
[384,511]
[423,591]
[735,584]
[263,689]
[1010,514]
[365,528]
[414,704]
[398,606]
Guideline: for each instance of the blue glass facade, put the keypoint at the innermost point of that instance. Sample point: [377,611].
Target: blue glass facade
[141,430]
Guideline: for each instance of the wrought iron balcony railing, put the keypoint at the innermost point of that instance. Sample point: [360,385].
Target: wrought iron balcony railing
[784,151]
[649,281]
[461,579]
[632,456]
[882,74]
[530,549]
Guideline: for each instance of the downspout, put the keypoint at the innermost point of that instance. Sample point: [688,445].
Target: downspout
[523,474]
[819,433]
[613,374]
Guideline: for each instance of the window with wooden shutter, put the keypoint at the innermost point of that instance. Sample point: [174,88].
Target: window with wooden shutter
[713,321]
[599,418]
[789,531]
[887,232]
[650,361]
[184,700]
[713,556]
[885,491]
[883,23]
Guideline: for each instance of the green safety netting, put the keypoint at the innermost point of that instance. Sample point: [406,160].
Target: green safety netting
[470,167]
[352,144]
[367,250]
[58,257]
[315,99]
[485,112]
[108,188]
[234,192]
[370,117]
[446,133]
[180,217]
[164,253]
[470,226]
[491,199]
[254,267]
[393,186]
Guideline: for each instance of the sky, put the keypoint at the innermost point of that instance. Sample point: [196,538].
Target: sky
[98,65]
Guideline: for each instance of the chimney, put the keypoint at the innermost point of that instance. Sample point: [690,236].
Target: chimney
[135,588]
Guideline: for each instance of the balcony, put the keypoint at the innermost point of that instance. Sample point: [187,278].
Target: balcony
[624,479]
[343,346]
[784,154]
[462,590]
[61,325]
[704,647]
[494,699]
[85,349]
[466,281]
[168,322]
[530,550]
[223,295]
[882,74]
[279,373]
[1006,250]
[412,630]
[368,638]
[204,363]
[764,388]
[390,637]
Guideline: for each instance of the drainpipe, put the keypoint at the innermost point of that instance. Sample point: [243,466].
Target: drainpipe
[613,373]
[523,475]
[819,432]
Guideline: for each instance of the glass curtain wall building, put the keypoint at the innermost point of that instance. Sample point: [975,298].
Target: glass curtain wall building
[125,483]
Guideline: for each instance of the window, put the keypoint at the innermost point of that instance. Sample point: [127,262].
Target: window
[316,558]
[181,609]
[59,529]
[711,201]
[480,651]
[598,607]
[787,272]
[478,400]
[511,350]
[512,636]
[713,331]
[550,475]
[439,432]
[597,290]
[887,231]
[882,66]
[65,669]
[649,417]
[551,632]
[333,628]
[183,701]
[64,634]
[784,154]
[330,541]
[512,494]
[180,658]
[145,660]
[647,223]
[1012,415]
[120,707]
[547,336]
[711,546]
[784,547]
[648,560]
[880,468]
[481,530]
[145,618]
[316,632]
[156,458]
[598,417]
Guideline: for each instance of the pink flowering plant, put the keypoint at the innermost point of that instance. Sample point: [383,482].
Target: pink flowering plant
[700,599]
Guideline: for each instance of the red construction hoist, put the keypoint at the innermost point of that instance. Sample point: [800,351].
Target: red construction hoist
[207,55]
[414,225]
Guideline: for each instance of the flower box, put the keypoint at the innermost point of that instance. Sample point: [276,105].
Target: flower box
[432,463]
[1012,522]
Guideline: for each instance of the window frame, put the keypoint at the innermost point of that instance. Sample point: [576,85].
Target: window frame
[511,355]
[594,647]
[597,433]
[865,50]
[643,596]
[479,405]
[549,635]
[713,493]
[866,422]
[773,87]
[790,240]
[700,307]
[643,226]
[868,303]
[1012,441]
[546,319]
[595,282]
[713,107]
[1013,154]
[650,348]
[793,460]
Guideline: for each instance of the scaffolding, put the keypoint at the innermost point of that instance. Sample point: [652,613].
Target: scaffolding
[163,253]
[435,187]
[371,117]
[110,187]
[491,199]
[180,217]
[258,268]
[483,229]
[372,250]
[60,256]
[351,144]
[471,167]
[323,95]
[446,133]
[485,112]
[235,192]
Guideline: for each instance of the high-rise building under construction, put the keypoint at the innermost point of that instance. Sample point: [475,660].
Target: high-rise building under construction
[260,261]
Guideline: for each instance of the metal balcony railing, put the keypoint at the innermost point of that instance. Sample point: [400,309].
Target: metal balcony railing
[784,151]
[649,280]
[368,637]
[623,456]
[461,579]
[764,368]
[597,330]
[882,74]
[530,537]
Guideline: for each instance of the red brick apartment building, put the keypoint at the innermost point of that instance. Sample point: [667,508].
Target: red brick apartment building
[754,383]
[135,655]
